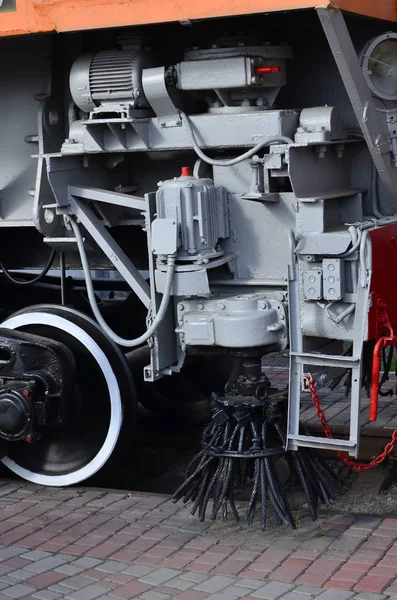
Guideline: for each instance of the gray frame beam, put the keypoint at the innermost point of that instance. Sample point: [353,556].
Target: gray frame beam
[115,198]
[112,250]
[374,131]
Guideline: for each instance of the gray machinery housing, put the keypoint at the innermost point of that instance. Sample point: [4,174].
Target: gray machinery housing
[233,184]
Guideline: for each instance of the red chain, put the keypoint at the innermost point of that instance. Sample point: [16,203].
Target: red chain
[360,468]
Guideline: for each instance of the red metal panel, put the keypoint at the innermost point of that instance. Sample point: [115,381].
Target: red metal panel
[384,279]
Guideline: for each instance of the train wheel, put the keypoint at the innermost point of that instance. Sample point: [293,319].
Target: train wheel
[101,426]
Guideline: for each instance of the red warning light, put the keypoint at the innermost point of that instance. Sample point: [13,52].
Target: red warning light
[266,70]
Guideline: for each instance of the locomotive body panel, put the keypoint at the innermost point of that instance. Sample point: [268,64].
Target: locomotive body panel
[19,17]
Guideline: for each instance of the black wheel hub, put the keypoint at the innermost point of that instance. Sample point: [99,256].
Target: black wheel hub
[16,413]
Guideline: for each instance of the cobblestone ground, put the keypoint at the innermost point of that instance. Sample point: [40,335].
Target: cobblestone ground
[89,544]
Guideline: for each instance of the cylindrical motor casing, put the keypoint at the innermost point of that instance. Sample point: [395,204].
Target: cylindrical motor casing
[109,77]
[244,321]
[201,211]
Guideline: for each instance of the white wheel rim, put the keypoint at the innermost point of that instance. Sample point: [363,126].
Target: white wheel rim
[116,412]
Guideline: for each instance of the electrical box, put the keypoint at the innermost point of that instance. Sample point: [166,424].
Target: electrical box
[313,284]
[333,279]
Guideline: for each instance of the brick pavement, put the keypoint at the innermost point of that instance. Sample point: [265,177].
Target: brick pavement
[90,544]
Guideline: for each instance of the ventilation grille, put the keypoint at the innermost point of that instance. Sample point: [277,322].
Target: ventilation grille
[112,75]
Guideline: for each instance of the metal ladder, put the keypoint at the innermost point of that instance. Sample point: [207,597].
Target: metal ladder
[302,362]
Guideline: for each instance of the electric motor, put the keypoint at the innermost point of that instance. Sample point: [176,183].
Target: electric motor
[109,78]
[201,211]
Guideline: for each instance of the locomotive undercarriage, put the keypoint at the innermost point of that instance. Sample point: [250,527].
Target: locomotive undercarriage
[269,229]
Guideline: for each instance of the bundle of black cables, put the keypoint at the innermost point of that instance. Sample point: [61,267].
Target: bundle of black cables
[35,279]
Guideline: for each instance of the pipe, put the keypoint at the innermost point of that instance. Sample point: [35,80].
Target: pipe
[249,282]
[281,139]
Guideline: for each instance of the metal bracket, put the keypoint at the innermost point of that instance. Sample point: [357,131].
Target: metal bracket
[106,242]
[115,198]
[153,82]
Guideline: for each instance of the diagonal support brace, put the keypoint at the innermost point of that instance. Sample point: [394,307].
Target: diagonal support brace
[374,131]
[112,250]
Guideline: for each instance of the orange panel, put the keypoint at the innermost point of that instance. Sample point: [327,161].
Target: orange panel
[71,15]
[381,9]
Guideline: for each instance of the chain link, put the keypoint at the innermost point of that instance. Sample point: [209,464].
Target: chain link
[360,468]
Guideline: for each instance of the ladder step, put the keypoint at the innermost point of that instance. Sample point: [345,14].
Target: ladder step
[320,442]
[349,362]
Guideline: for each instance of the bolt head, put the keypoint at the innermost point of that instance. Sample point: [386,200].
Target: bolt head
[49,215]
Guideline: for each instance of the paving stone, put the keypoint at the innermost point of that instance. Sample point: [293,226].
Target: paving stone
[19,591]
[194,577]
[36,555]
[238,591]
[46,564]
[14,563]
[335,595]
[292,596]
[132,589]
[7,579]
[309,590]
[3,585]
[46,595]
[86,562]
[252,584]
[112,566]
[221,596]
[10,552]
[65,557]
[179,584]
[44,580]
[159,576]
[87,593]
[153,596]
[69,570]
[215,584]
[272,591]
[58,588]
[20,574]
[77,582]
[139,570]
[369,596]
[4,570]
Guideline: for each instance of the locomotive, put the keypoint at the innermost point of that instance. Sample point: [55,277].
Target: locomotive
[236,164]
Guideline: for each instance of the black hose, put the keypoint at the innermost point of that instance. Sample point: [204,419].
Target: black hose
[35,279]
